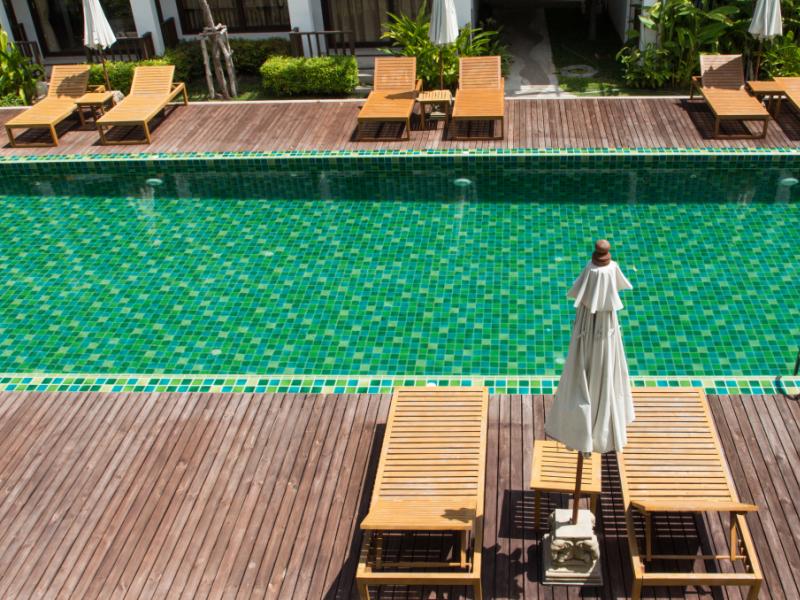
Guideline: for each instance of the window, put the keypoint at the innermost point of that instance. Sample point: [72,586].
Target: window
[238,15]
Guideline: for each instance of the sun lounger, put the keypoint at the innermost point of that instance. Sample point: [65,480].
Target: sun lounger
[151,91]
[673,463]
[791,90]
[721,83]
[430,478]
[395,89]
[67,84]
[480,95]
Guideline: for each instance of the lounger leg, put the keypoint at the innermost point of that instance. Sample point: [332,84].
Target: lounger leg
[10,134]
[734,541]
[101,130]
[81,117]
[363,591]
[408,128]
[593,505]
[636,589]
[537,509]
[185,97]
[716,127]
[146,132]
[502,129]
[754,589]
[54,135]
[648,536]
[464,541]
[477,590]
[764,131]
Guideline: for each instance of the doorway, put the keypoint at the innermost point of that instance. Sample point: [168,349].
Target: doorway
[365,18]
[59,23]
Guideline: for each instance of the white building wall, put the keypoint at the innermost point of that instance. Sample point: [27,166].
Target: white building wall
[647,36]
[23,12]
[465,11]
[145,15]
[4,22]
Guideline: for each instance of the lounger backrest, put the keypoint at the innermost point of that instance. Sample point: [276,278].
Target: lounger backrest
[68,81]
[395,73]
[435,445]
[152,81]
[480,73]
[722,71]
[673,457]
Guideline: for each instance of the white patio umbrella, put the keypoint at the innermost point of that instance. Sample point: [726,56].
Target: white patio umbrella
[97,33]
[593,404]
[766,24]
[443,30]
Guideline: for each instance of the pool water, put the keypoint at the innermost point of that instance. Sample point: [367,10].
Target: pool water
[471,281]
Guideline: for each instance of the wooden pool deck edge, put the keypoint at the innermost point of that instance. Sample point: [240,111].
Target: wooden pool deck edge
[260,495]
[325,125]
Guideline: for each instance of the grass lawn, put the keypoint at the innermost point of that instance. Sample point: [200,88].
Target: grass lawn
[568,30]
[249,88]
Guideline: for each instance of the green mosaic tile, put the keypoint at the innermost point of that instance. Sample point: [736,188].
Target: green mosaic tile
[365,263]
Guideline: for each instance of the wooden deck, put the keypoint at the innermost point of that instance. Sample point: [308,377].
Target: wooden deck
[577,123]
[196,496]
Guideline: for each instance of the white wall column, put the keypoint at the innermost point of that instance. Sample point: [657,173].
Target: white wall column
[5,23]
[145,15]
[306,15]
[465,12]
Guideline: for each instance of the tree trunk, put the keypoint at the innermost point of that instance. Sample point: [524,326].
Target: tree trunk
[217,35]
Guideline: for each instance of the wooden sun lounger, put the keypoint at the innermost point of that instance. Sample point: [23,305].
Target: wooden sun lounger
[791,90]
[395,89]
[480,95]
[430,478]
[67,84]
[721,83]
[673,462]
[151,91]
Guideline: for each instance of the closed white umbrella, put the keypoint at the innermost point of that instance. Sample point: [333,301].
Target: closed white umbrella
[766,24]
[593,404]
[97,33]
[443,30]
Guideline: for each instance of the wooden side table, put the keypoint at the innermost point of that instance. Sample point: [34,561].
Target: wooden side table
[772,91]
[434,98]
[96,102]
[554,470]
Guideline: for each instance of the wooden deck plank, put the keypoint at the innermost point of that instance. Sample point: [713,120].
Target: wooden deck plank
[170,495]
[329,125]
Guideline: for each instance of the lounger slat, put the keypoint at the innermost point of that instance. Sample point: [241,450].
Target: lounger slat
[673,462]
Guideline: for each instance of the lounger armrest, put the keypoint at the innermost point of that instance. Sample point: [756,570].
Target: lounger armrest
[178,87]
[418,86]
[700,505]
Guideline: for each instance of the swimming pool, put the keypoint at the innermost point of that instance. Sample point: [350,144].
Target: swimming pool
[357,269]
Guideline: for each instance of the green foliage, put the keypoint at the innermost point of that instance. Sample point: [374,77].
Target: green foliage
[11,100]
[650,68]
[322,76]
[781,57]
[120,74]
[248,56]
[18,75]
[409,37]
[686,28]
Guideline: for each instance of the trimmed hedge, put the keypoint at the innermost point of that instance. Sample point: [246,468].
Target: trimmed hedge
[322,76]
[248,56]
[120,74]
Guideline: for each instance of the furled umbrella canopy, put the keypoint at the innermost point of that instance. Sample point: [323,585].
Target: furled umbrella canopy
[443,30]
[97,33]
[767,22]
[593,404]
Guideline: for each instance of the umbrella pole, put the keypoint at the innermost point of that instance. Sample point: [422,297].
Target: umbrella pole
[105,72]
[577,496]
[441,68]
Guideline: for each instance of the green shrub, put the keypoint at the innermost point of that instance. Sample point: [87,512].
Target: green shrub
[11,100]
[649,68]
[18,75]
[409,37]
[120,74]
[322,76]
[248,56]
[781,57]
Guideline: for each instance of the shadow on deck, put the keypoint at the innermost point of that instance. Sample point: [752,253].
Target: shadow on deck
[193,495]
